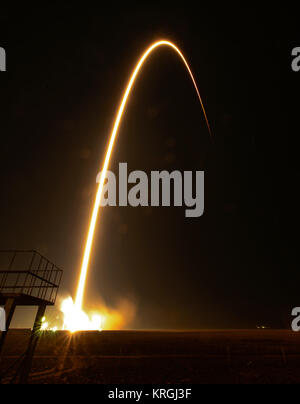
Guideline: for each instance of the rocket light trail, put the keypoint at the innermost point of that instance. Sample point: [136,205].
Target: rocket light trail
[93,220]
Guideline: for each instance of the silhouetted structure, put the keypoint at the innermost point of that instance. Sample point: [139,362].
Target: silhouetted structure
[27,279]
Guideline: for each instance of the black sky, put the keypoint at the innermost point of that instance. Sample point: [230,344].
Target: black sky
[237,266]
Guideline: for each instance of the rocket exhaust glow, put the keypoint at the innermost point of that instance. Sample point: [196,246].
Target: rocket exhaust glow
[93,220]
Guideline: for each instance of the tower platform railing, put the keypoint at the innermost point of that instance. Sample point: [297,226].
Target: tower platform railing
[28,277]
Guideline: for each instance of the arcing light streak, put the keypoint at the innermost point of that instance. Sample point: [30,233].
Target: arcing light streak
[93,221]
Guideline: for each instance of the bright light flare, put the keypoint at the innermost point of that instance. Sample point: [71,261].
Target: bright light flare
[76,319]
[44,325]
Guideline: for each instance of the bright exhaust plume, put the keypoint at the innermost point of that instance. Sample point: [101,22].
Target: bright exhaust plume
[75,318]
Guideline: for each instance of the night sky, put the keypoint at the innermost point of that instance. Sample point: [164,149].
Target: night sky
[235,267]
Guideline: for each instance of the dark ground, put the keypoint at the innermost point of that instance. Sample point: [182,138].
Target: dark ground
[256,356]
